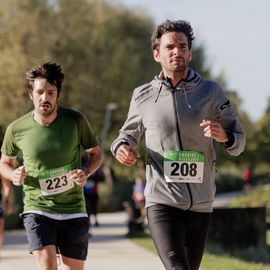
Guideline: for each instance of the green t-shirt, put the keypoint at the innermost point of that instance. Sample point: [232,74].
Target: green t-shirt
[45,148]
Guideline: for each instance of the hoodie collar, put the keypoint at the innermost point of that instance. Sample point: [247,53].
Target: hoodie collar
[190,82]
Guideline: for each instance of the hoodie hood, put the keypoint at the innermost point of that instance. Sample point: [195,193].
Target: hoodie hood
[192,80]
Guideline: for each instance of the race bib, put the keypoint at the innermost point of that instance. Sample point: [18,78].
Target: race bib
[55,181]
[183,166]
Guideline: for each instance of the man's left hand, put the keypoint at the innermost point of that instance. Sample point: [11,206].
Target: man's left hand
[213,129]
[79,177]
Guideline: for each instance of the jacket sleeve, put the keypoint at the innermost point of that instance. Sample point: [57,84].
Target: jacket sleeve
[132,130]
[230,122]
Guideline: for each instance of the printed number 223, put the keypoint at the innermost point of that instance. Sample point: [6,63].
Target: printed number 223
[56,182]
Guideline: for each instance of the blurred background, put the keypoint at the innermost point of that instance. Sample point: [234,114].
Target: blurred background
[105,52]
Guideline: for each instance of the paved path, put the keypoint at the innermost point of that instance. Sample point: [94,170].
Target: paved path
[108,249]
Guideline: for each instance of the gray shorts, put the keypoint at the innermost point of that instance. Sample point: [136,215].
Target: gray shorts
[69,236]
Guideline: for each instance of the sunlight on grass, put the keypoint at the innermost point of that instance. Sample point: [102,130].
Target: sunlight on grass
[216,262]
[210,261]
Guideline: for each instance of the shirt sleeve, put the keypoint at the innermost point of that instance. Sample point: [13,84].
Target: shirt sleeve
[9,147]
[229,120]
[132,130]
[87,137]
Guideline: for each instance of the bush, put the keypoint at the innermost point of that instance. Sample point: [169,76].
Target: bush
[228,182]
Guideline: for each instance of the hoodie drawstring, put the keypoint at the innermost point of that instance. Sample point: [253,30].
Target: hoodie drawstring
[186,99]
[159,92]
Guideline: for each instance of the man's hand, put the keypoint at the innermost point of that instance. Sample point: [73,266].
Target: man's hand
[213,129]
[127,155]
[18,176]
[79,177]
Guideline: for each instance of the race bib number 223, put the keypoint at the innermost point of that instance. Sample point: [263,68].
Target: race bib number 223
[55,181]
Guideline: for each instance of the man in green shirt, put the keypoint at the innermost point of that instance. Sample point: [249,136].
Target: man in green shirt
[51,139]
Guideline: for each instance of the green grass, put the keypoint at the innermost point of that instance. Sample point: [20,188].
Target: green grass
[216,262]
[210,261]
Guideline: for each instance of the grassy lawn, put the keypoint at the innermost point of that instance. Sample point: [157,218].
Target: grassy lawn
[211,261]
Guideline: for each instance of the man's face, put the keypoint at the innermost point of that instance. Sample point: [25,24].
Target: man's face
[173,53]
[44,97]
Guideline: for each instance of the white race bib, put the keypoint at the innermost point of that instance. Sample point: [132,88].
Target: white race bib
[183,166]
[55,181]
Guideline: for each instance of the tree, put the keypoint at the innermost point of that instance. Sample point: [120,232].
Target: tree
[261,139]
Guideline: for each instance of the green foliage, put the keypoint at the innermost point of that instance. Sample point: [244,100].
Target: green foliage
[102,49]
[228,182]
[258,196]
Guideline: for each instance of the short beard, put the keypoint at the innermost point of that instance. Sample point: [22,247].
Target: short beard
[47,114]
[180,69]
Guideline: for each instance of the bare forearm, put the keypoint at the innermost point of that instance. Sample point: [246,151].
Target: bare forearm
[95,160]
[6,188]
[6,170]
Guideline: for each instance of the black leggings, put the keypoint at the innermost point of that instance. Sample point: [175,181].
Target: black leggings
[179,236]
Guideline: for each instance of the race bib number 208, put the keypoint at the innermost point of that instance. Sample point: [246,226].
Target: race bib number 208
[183,166]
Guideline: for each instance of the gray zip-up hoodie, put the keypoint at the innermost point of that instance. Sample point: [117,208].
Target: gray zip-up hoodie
[170,118]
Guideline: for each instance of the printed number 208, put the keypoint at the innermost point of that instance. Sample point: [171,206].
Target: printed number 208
[184,169]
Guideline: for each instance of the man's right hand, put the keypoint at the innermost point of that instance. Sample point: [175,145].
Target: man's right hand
[127,155]
[18,176]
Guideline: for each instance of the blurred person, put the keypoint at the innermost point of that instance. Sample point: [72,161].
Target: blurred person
[138,195]
[180,114]
[92,198]
[247,178]
[135,209]
[50,139]
[5,206]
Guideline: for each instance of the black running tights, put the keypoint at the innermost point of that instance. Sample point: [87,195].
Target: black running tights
[179,235]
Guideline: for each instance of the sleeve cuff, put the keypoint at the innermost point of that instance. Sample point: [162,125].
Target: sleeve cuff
[230,141]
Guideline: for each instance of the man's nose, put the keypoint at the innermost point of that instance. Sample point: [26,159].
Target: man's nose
[176,50]
[44,96]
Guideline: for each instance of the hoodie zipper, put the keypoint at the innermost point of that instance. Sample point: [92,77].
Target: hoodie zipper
[179,137]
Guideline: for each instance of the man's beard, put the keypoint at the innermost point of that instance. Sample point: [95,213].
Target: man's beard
[48,112]
[180,69]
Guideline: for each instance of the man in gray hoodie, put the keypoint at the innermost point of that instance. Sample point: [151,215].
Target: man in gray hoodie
[181,114]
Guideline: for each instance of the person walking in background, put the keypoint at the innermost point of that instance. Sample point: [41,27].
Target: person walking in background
[247,178]
[91,197]
[50,139]
[181,114]
[138,195]
[5,206]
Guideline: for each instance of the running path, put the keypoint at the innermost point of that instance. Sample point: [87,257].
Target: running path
[108,249]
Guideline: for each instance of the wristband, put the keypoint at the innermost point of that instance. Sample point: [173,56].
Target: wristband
[87,171]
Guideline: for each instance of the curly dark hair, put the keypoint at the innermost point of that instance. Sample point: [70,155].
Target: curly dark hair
[172,26]
[52,72]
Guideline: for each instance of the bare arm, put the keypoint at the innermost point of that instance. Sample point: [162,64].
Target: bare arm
[7,192]
[8,171]
[80,176]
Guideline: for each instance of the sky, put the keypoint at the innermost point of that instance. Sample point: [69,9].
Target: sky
[236,38]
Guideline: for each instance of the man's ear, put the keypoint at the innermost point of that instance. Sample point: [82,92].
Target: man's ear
[30,95]
[190,56]
[156,55]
